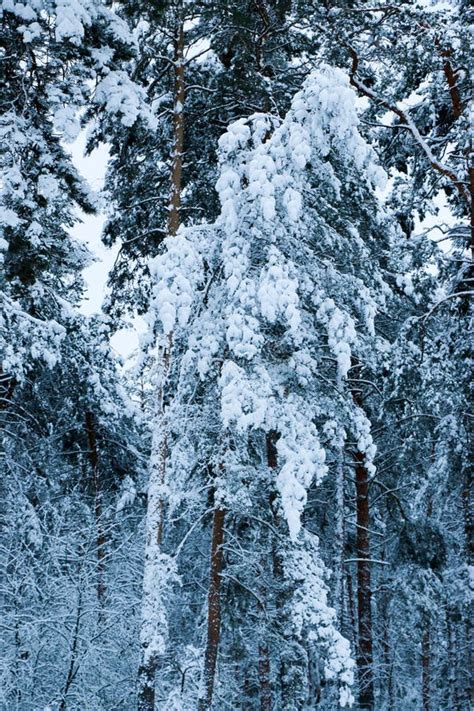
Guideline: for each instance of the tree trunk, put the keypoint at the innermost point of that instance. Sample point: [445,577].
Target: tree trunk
[100,533]
[467,688]
[425,668]
[453,699]
[153,616]
[174,218]
[264,664]
[364,593]
[384,617]
[339,528]
[213,611]
[153,627]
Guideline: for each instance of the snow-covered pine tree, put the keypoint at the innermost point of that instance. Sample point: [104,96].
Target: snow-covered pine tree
[268,308]
[231,63]
[58,58]
[61,405]
[399,538]
[425,435]
[411,61]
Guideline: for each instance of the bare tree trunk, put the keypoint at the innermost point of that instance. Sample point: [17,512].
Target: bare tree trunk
[467,688]
[364,592]
[213,611]
[247,703]
[384,614]
[174,218]
[100,533]
[425,668]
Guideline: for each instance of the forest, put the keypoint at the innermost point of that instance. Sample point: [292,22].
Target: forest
[266,505]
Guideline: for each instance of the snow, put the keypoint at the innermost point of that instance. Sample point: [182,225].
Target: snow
[365,444]
[31,32]
[71,18]
[23,338]
[341,333]
[128,494]
[121,97]
[66,122]
[242,334]
[47,186]
[311,614]
[293,202]
[244,401]
[9,218]
[22,10]
[302,461]
[278,291]
[261,187]
[178,272]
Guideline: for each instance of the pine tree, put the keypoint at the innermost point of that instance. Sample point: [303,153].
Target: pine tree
[233,63]
[301,440]
[263,308]
[61,403]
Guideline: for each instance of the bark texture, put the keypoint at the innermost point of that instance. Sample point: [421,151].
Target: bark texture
[174,219]
[264,678]
[213,610]
[364,592]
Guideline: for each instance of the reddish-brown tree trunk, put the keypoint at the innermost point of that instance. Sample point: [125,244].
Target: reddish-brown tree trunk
[174,217]
[364,592]
[213,610]
[100,533]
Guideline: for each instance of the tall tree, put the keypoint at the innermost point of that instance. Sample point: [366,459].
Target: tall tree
[233,64]
[241,310]
[62,406]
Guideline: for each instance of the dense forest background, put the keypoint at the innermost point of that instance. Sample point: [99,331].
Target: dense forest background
[269,505]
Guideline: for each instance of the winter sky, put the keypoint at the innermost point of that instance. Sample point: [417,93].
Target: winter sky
[93,168]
